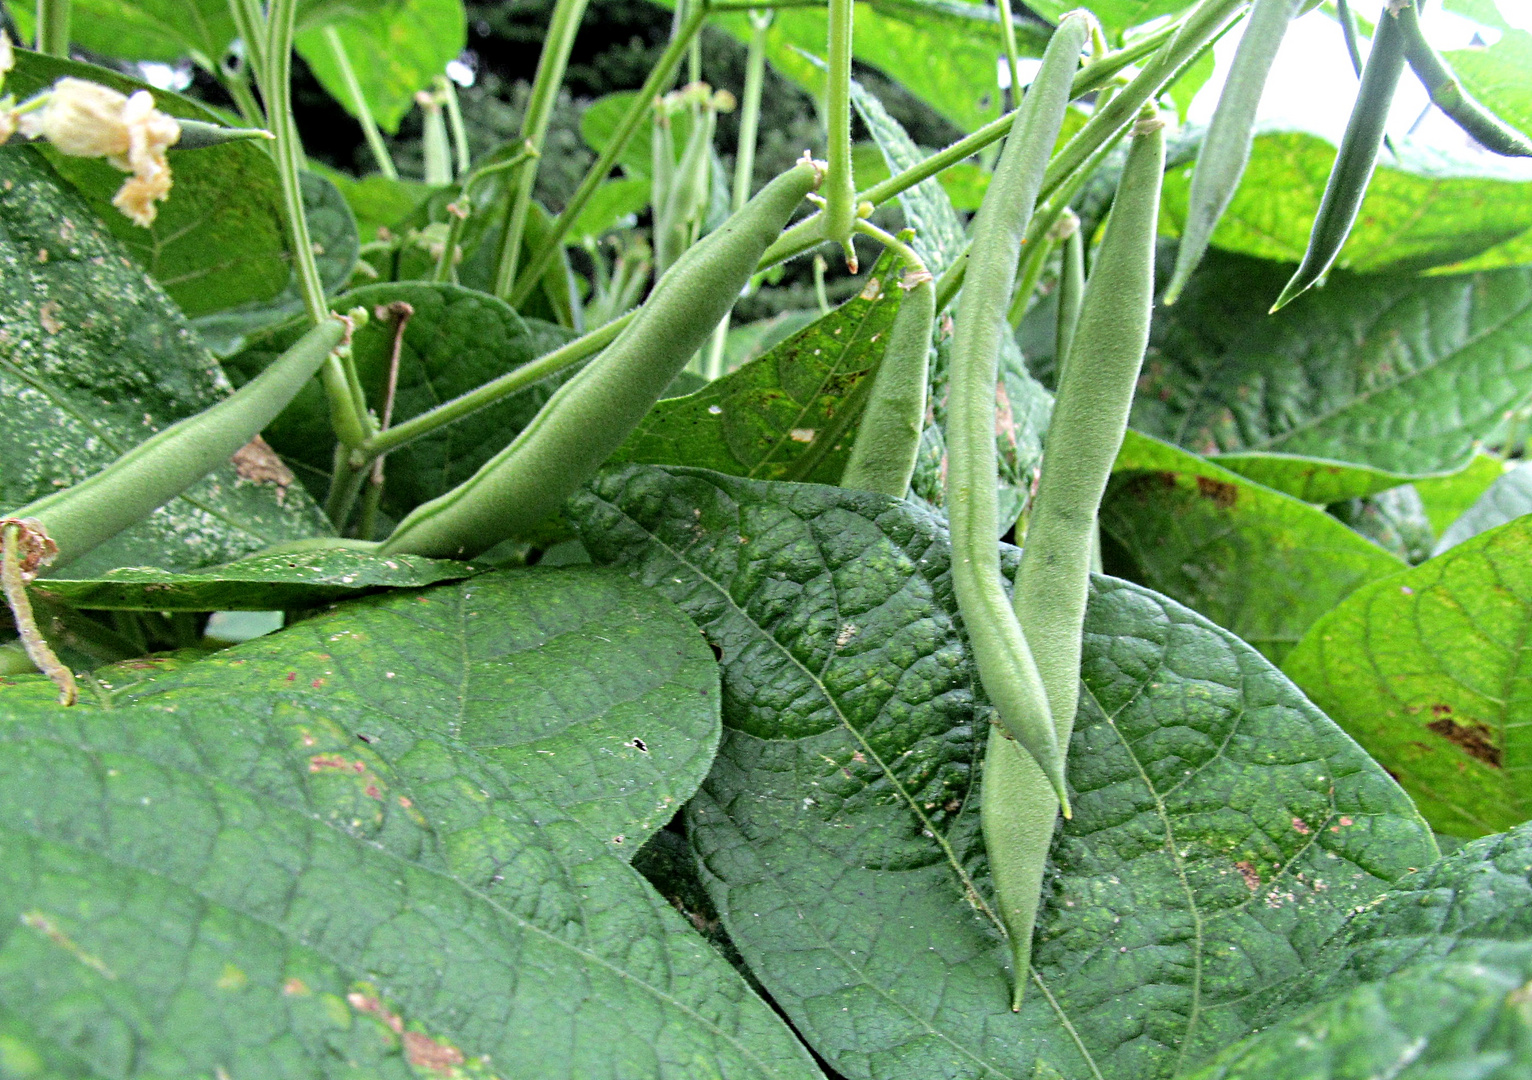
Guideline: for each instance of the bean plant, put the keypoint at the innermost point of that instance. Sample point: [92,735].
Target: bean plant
[445,637]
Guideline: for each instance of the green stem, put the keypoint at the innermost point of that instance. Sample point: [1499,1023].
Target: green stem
[1071,292]
[359,106]
[236,81]
[496,389]
[1034,260]
[276,89]
[659,77]
[433,141]
[1008,37]
[840,185]
[820,296]
[1448,94]
[53,27]
[250,24]
[534,128]
[448,91]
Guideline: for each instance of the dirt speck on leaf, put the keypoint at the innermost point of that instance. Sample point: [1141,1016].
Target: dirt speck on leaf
[1248,871]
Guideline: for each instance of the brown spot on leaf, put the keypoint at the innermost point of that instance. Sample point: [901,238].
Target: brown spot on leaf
[48,316]
[295,988]
[426,1053]
[1476,740]
[1248,871]
[1301,827]
[1223,494]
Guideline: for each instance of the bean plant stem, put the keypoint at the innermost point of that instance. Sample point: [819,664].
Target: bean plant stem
[1008,38]
[359,106]
[455,123]
[534,128]
[659,77]
[839,187]
[53,27]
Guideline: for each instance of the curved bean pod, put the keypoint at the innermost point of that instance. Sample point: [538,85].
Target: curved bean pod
[1071,293]
[593,412]
[1226,150]
[1354,161]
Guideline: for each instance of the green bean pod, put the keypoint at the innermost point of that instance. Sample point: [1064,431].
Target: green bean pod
[1090,415]
[1005,664]
[1448,95]
[888,438]
[1226,150]
[1354,161]
[1071,293]
[158,469]
[594,412]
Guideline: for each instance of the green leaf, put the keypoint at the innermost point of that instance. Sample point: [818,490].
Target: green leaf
[609,204]
[1395,520]
[263,582]
[96,358]
[395,49]
[376,201]
[164,30]
[1423,669]
[1316,480]
[1448,498]
[1399,374]
[1474,205]
[787,415]
[332,229]
[371,860]
[598,124]
[455,341]
[218,241]
[1496,76]
[1223,827]
[1263,564]
[1508,498]
[1185,88]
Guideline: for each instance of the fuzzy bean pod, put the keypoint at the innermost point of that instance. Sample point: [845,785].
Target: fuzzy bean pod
[594,412]
[1354,161]
[161,467]
[1005,663]
[1090,415]
[1071,292]
[1226,150]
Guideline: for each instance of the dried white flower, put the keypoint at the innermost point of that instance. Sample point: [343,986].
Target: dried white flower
[7,57]
[86,119]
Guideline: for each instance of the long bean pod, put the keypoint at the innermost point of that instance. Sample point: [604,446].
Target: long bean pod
[1071,293]
[1226,150]
[1355,160]
[1005,663]
[166,464]
[591,414]
[1448,94]
[1090,415]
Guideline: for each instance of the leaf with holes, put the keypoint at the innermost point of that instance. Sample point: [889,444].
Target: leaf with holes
[335,850]
[788,415]
[1424,670]
[1223,827]
[94,358]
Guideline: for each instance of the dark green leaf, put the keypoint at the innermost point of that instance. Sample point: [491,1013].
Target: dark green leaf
[1506,499]
[1423,669]
[1402,375]
[1223,827]
[332,229]
[395,49]
[376,201]
[95,358]
[218,241]
[787,415]
[258,583]
[1474,205]
[1259,562]
[290,858]
[456,340]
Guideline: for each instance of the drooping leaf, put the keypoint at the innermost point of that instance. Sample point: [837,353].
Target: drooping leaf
[264,582]
[1402,375]
[1423,669]
[456,340]
[1474,205]
[333,232]
[95,358]
[374,872]
[787,415]
[218,241]
[1508,498]
[1259,562]
[1223,827]
[1448,498]
[395,49]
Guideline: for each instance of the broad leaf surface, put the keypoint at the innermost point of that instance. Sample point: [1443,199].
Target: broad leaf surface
[163,30]
[369,855]
[395,49]
[787,415]
[1507,498]
[1395,520]
[95,358]
[218,241]
[1254,560]
[332,229]
[1223,827]
[1316,480]
[1403,375]
[1422,209]
[265,582]
[456,340]
[1426,669]
[376,201]
[1497,76]
[1448,498]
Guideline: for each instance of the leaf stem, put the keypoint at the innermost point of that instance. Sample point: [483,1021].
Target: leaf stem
[534,129]
[359,106]
[1008,38]
[839,189]
[53,27]
[14,574]
[460,150]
